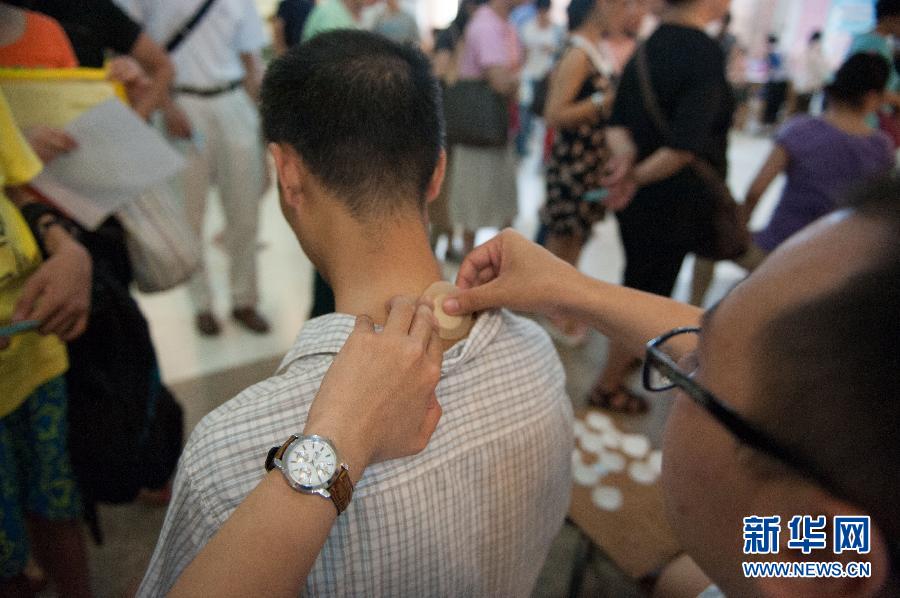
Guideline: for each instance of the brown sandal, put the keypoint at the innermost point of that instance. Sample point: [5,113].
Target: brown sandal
[620,400]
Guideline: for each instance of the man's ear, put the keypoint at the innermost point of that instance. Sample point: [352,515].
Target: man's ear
[290,171]
[817,503]
[437,178]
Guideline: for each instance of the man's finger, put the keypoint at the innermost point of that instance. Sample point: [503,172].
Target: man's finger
[423,325]
[402,310]
[58,324]
[34,286]
[75,330]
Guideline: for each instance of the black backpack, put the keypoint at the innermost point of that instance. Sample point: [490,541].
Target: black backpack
[125,427]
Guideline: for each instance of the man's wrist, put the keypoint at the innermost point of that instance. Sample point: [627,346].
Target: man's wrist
[350,446]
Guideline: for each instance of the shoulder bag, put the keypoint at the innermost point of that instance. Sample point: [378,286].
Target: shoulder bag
[474,114]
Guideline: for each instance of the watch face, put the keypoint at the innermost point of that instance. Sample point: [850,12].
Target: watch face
[310,462]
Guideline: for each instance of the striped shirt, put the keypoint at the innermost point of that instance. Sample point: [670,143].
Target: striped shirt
[472,515]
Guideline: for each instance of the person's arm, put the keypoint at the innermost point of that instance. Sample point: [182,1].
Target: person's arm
[58,293]
[395,372]
[159,70]
[502,80]
[773,166]
[279,41]
[661,164]
[511,271]
[252,74]
[562,110]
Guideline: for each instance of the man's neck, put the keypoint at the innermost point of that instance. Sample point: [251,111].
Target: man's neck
[367,271]
[501,7]
[354,7]
[692,15]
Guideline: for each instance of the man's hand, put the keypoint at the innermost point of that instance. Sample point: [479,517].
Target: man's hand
[58,294]
[377,399]
[510,271]
[618,178]
[49,142]
[176,121]
[138,86]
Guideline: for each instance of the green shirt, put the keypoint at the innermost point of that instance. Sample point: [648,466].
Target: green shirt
[327,16]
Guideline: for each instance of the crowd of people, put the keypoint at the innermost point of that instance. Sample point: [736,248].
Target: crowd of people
[434,457]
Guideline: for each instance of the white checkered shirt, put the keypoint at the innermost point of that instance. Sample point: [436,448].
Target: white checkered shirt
[472,515]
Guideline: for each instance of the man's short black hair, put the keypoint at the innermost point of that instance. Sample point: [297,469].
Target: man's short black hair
[363,113]
[830,373]
[887,8]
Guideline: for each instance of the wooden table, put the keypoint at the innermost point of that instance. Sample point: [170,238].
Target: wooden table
[636,537]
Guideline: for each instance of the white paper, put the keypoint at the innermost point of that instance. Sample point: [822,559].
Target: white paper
[118,158]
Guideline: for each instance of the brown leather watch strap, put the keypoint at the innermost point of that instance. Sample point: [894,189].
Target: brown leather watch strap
[277,452]
[341,490]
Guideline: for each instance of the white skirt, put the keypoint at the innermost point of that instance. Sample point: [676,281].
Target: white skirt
[483,187]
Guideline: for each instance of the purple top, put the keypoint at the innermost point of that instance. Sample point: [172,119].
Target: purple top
[823,162]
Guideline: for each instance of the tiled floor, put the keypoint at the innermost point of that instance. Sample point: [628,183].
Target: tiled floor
[205,372]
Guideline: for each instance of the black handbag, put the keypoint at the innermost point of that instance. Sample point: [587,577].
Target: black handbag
[475,114]
[728,237]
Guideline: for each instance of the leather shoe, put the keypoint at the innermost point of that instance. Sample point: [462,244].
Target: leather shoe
[207,324]
[250,319]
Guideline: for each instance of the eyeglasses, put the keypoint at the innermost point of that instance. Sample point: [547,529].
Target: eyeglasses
[661,373]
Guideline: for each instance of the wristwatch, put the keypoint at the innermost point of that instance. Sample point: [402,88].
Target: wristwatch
[311,465]
[597,98]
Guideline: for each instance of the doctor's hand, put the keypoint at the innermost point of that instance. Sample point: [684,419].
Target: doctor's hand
[511,271]
[377,400]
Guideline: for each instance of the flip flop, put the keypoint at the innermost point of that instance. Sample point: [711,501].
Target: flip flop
[620,400]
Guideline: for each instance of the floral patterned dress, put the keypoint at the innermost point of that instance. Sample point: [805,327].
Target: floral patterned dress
[575,166]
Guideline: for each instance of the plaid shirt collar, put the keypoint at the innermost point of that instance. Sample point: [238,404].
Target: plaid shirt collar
[326,335]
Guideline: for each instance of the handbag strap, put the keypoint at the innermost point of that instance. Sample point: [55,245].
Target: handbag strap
[601,65]
[648,95]
[179,36]
[701,166]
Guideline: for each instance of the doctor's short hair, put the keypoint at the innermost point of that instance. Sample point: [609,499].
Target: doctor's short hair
[363,113]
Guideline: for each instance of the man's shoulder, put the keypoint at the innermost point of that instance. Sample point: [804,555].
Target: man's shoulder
[259,412]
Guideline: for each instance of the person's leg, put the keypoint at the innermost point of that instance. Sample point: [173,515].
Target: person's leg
[53,504]
[468,241]
[652,267]
[14,547]
[239,162]
[567,247]
[701,279]
[523,137]
[195,180]
[60,548]
[751,260]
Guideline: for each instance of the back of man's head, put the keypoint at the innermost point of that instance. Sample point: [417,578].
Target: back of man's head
[364,115]
[830,371]
[887,8]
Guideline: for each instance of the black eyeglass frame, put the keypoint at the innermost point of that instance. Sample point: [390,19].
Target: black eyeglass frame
[743,430]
